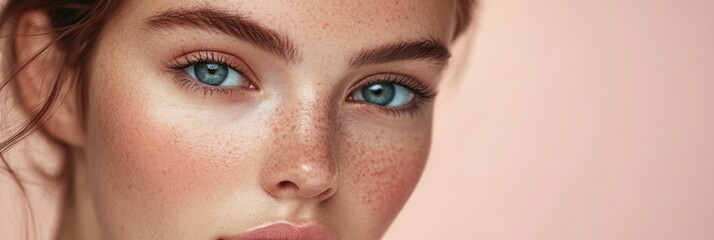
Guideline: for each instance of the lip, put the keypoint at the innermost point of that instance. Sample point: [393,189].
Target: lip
[285,231]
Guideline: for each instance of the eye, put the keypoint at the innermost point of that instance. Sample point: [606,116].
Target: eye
[216,74]
[384,94]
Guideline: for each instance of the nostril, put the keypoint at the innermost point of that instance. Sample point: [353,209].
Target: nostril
[288,185]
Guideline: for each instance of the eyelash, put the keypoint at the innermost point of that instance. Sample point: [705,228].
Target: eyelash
[422,93]
[178,67]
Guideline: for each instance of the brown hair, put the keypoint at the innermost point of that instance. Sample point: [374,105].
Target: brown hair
[464,15]
[75,26]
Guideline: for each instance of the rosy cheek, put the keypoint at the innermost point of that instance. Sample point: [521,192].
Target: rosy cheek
[165,157]
[384,170]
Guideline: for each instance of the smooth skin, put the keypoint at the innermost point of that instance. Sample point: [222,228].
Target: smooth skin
[161,158]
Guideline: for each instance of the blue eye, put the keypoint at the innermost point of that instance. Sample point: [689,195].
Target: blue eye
[384,94]
[216,74]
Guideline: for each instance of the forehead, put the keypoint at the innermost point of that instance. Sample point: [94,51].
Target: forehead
[329,21]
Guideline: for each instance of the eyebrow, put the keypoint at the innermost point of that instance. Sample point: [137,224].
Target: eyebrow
[231,24]
[430,49]
[281,46]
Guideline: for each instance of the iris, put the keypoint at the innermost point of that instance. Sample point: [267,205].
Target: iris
[379,93]
[213,74]
[216,74]
[384,94]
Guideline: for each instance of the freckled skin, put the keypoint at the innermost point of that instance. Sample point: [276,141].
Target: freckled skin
[169,163]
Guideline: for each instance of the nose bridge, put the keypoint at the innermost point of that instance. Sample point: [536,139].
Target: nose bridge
[311,125]
[302,164]
[313,117]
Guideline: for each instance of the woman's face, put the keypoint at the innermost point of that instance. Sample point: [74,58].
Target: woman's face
[208,119]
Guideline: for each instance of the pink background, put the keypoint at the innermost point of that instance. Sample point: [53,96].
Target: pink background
[572,120]
[576,120]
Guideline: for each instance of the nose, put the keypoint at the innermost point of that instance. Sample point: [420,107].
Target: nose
[301,164]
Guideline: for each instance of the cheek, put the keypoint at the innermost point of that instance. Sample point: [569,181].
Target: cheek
[151,159]
[383,166]
[157,157]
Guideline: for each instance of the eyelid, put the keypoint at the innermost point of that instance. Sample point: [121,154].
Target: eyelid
[420,89]
[188,59]
[423,94]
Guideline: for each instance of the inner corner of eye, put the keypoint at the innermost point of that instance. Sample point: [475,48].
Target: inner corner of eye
[356,95]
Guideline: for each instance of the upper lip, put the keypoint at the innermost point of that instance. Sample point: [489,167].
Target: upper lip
[280,231]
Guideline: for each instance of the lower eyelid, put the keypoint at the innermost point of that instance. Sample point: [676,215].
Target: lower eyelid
[411,110]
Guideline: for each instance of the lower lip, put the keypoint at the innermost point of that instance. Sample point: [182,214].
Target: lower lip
[286,231]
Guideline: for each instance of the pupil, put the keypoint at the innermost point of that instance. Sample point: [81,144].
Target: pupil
[212,68]
[376,89]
